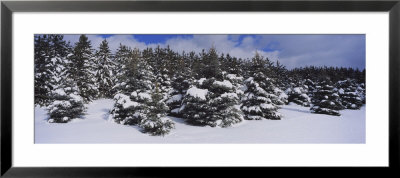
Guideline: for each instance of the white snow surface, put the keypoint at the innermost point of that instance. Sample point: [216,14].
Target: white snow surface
[297,90]
[233,77]
[174,98]
[59,91]
[197,92]
[143,95]
[298,125]
[230,95]
[224,83]
[125,101]
[201,81]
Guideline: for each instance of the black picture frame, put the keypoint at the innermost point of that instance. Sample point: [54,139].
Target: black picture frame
[8,7]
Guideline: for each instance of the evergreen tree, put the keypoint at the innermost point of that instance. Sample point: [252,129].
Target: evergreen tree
[104,70]
[310,86]
[42,70]
[195,108]
[223,103]
[237,82]
[126,62]
[211,64]
[261,70]
[132,108]
[280,74]
[144,77]
[83,69]
[156,122]
[51,53]
[164,83]
[299,96]
[215,103]
[361,90]
[66,104]
[277,96]
[180,83]
[281,97]
[326,100]
[257,103]
[232,65]
[127,110]
[349,95]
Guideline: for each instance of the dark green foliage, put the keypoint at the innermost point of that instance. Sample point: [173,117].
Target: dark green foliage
[126,111]
[82,69]
[218,102]
[66,104]
[259,99]
[361,90]
[211,64]
[299,96]
[104,71]
[326,100]
[131,106]
[195,109]
[126,61]
[319,74]
[214,104]
[350,96]
[257,103]
[180,85]
[50,57]
[156,122]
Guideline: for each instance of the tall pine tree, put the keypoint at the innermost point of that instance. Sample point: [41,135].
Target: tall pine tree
[257,103]
[82,69]
[104,71]
[156,122]
[326,100]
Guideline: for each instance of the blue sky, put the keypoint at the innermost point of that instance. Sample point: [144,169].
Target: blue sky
[290,50]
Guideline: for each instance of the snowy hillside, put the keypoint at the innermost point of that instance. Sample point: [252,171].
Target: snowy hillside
[297,125]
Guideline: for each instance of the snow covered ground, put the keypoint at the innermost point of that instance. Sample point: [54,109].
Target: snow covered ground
[298,125]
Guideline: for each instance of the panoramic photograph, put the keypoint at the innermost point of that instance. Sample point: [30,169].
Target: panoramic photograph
[199,88]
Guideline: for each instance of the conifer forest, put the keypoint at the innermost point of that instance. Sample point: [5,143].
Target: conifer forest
[157,93]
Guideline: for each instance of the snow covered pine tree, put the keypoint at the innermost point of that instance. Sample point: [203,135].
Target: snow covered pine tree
[350,96]
[179,87]
[83,69]
[156,122]
[67,104]
[215,103]
[51,53]
[180,83]
[326,100]
[257,103]
[299,96]
[104,71]
[223,102]
[194,106]
[42,70]
[138,107]
[212,102]
[131,106]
